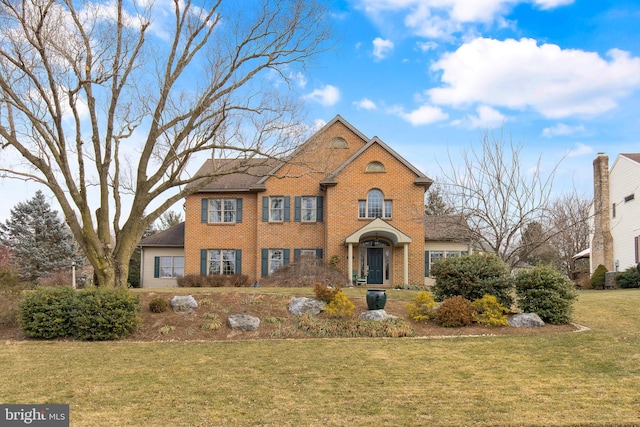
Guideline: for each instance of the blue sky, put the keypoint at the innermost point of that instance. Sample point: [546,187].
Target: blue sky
[430,77]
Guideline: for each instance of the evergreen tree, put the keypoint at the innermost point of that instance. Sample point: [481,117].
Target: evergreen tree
[169,219]
[39,241]
[435,203]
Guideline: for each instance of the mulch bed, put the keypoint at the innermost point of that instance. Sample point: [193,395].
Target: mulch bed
[276,321]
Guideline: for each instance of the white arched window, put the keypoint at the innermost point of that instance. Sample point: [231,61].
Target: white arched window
[375,206]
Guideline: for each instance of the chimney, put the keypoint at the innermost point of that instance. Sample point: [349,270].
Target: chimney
[602,243]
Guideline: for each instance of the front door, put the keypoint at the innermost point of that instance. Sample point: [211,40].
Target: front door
[375,261]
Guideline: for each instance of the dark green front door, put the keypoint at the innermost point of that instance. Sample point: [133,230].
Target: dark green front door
[374,259]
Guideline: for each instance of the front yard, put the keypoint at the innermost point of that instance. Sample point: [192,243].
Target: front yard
[587,378]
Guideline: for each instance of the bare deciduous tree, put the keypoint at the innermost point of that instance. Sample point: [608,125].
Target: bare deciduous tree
[568,217]
[106,104]
[497,197]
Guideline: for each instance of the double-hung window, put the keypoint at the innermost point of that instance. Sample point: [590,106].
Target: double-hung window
[276,209]
[221,261]
[221,211]
[276,259]
[169,266]
[308,209]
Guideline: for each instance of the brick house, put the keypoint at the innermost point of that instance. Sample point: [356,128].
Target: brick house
[342,197]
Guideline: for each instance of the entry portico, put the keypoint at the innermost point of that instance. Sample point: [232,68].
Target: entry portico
[376,242]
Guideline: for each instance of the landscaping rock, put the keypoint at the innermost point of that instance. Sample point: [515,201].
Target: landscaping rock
[305,305]
[378,315]
[183,304]
[525,320]
[243,322]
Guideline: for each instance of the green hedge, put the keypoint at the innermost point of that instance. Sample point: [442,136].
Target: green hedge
[546,292]
[87,314]
[630,278]
[472,277]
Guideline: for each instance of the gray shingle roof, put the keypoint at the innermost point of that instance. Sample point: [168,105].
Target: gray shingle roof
[446,228]
[234,174]
[171,237]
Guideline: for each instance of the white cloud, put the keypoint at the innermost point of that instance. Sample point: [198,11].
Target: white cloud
[486,118]
[440,19]
[550,4]
[381,48]
[580,150]
[519,74]
[424,115]
[561,129]
[299,79]
[426,46]
[365,104]
[327,95]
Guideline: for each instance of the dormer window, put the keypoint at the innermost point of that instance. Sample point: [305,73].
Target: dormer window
[375,167]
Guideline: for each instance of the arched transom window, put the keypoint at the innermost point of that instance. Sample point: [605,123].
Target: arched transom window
[375,206]
[375,167]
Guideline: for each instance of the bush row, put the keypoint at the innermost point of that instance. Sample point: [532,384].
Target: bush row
[541,289]
[88,314]
[214,281]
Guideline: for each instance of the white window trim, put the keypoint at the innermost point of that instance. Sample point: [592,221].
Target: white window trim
[171,267]
[221,261]
[223,211]
[387,208]
[279,262]
[312,209]
[272,210]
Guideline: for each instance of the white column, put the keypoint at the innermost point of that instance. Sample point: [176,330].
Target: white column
[350,262]
[406,264]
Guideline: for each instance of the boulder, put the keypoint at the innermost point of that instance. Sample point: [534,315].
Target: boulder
[378,315]
[243,322]
[305,305]
[183,304]
[525,320]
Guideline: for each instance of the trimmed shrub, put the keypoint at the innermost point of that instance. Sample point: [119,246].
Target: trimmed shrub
[88,314]
[214,281]
[630,278]
[105,314]
[46,312]
[324,292]
[472,277]
[455,312]
[340,306]
[546,292]
[158,305]
[422,307]
[598,277]
[489,312]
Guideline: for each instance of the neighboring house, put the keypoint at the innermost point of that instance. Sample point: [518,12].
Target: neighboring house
[615,242]
[445,236]
[342,197]
[162,258]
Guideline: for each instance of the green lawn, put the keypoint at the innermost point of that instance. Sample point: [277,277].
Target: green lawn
[586,378]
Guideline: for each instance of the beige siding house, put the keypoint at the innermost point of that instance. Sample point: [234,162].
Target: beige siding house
[616,213]
[162,258]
